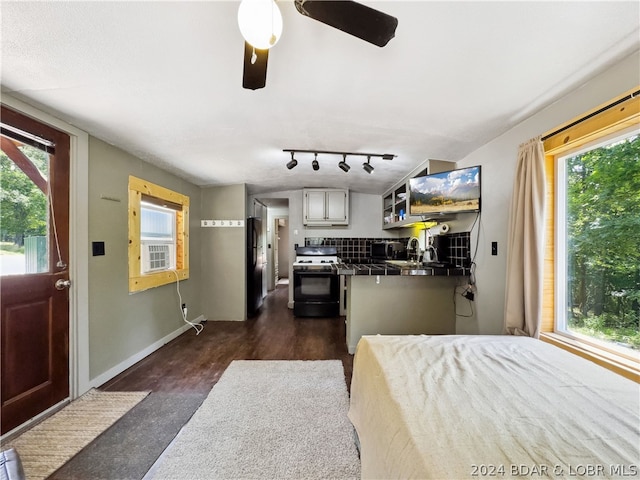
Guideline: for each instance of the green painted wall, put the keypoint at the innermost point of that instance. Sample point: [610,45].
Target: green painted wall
[121,324]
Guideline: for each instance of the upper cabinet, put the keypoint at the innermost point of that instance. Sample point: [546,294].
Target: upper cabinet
[395,205]
[395,201]
[324,207]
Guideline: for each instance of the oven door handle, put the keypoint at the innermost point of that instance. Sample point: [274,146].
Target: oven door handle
[315,272]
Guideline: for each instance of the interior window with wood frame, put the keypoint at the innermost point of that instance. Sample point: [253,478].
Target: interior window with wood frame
[592,264]
[158,235]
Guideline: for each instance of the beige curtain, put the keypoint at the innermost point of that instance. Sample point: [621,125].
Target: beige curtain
[525,248]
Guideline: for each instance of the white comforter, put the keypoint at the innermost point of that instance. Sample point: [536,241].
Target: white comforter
[490,407]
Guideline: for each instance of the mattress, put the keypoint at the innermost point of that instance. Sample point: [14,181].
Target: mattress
[490,406]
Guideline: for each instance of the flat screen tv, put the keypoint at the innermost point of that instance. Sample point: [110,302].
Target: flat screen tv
[455,191]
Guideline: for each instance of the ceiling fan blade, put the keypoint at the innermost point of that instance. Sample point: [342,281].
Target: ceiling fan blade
[351,17]
[254,75]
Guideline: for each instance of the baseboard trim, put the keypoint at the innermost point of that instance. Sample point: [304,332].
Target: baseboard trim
[132,360]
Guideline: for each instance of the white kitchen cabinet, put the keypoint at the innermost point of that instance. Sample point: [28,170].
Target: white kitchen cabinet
[323,206]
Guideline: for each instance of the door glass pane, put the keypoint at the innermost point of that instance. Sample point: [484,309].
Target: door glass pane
[24,210]
[603,242]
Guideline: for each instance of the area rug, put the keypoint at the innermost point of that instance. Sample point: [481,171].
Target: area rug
[268,420]
[49,444]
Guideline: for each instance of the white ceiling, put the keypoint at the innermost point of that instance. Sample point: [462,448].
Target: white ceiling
[162,80]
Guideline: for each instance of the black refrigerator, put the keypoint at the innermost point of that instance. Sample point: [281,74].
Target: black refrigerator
[254,265]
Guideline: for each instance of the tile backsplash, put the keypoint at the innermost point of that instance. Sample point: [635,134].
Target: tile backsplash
[460,249]
[353,249]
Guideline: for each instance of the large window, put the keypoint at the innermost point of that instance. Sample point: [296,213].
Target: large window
[158,235]
[598,227]
[591,303]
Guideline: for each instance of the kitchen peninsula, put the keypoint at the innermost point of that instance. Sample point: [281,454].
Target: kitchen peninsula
[399,299]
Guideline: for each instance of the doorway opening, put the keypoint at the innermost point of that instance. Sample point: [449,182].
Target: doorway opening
[278,251]
[281,251]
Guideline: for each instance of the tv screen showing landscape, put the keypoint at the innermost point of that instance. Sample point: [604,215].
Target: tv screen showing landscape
[455,191]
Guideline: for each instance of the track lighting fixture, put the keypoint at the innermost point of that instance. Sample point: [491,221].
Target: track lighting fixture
[344,166]
[292,163]
[367,166]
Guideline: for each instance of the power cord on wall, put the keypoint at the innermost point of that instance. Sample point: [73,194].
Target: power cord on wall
[183,311]
[462,291]
[468,290]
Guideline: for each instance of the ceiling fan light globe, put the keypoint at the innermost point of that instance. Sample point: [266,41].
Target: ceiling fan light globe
[260,23]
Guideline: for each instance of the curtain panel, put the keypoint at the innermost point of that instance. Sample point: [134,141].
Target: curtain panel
[525,247]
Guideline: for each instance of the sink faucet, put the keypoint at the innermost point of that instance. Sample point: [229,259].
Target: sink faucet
[413,248]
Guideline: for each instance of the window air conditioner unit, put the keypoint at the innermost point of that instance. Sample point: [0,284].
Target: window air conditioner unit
[156,257]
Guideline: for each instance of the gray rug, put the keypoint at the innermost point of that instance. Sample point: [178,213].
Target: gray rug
[130,447]
[268,420]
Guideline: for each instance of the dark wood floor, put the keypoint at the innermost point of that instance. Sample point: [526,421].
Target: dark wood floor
[193,363]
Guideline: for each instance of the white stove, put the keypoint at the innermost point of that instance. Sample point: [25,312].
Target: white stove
[316,258]
[316,283]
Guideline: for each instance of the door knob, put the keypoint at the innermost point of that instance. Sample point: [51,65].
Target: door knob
[62,284]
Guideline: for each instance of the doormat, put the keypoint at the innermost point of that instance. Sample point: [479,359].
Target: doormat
[128,449]
[49,444]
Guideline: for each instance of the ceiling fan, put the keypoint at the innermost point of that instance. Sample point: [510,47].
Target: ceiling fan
[348,16]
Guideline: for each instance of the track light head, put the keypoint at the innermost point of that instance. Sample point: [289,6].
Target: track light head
[315,164]
[367,166]
[343,164]
[292,163]
[388,156]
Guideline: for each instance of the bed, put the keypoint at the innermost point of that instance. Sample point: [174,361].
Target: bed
[490,406]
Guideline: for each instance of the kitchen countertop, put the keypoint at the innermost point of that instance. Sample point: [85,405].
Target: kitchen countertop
[408,268]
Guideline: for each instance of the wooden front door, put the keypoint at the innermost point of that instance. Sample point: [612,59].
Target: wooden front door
[34,255]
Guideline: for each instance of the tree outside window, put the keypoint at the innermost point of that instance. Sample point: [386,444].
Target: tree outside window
[602,218]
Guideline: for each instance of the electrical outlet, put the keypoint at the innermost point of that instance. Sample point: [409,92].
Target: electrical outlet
[494,248]
[184,309]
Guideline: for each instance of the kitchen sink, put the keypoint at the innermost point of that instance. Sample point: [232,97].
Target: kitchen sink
[436,265]
[418,265]
[415,271]
[404,263]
